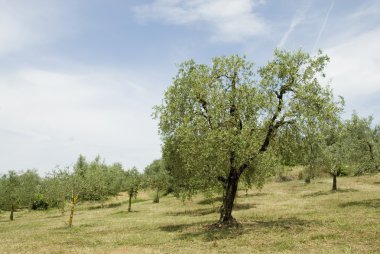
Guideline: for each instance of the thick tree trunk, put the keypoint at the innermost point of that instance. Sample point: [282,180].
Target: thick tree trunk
[334,188]
[157,198]
[12,211]
[130,202]
[229,198]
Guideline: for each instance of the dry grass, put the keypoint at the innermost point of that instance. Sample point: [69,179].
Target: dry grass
[288,217]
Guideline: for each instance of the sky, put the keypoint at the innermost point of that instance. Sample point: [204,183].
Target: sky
[82,77]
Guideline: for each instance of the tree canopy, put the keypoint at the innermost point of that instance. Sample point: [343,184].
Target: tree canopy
[217,122]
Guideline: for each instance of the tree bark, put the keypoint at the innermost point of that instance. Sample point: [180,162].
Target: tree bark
[130,201]
[334,187]
[12,211]
[229,198]
[157,198]
[74,200]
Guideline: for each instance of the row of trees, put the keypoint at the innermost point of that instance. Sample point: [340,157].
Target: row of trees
[91,181]
[350,147]
[223,124]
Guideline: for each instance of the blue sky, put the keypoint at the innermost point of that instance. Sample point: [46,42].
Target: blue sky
[83,76]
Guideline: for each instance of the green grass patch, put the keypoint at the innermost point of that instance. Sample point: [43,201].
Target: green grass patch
[284,217]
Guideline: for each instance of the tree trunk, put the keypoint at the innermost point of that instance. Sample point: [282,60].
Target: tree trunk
[62,208]
[229,198]
[74,200]
[130,202]
[334,188]
[157,198]
[12,211]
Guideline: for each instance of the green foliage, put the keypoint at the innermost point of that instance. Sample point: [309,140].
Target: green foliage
[30,187]
[222,118]
[20,190]
[94,181]
[80,167]
[157,177]
[132,184]
[132,181]
[56,188]
[364,144]
[10,191]
[98,179]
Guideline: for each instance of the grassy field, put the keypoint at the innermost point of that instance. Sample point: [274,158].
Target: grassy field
[288,217]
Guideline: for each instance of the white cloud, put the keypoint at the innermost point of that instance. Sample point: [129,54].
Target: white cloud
[354,68]
[323,25]
[51,116]
[229,21]
[28,23]
[297,19]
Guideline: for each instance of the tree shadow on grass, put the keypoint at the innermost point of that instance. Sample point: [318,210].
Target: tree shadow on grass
[55,216]
[209,201]
[111,205]
[374,203]
[211,232]
[322,193]
[195,212]
[179,227]
[259,194]
[243,206]
[206,211]
[124,213]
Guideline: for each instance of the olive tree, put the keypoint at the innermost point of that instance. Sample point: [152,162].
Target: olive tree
[334,152]
[364,143]
[132,184]
[56,189]
[29,188]
[19,190]
[217,122]
[10,195]
[156,177]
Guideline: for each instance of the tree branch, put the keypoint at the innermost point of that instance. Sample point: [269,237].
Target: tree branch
[204,111]
[273,125]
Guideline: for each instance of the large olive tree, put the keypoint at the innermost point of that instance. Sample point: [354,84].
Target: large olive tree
[217,122]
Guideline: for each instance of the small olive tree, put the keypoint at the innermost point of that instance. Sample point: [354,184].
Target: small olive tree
[10,195]
[132,184]
[157,177]
[19,190]
[364,144]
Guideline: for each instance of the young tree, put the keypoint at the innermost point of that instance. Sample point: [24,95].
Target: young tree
[334,154]
[76,186]
[101,180]
[81,166]
[10,195]
[30,187]
[217,122]
[95,181]
[364,144]
[115,178]
[132,184]
[157,177]
[56,189]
